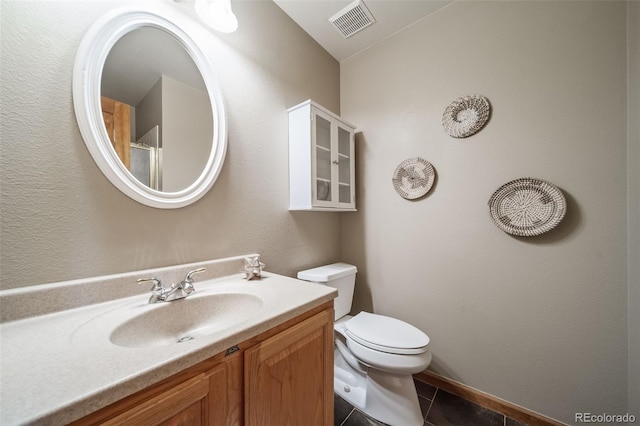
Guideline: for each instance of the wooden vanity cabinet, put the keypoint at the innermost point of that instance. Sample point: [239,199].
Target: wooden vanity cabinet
[283,376]
[186,404]
[289,377]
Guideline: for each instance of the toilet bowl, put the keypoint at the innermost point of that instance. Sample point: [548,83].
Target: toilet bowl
[375,355]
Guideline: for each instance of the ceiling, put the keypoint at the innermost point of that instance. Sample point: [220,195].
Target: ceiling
[391,16]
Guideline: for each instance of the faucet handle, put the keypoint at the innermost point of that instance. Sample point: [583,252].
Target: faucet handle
[157,285]
[158,291]
[189,277]
[187,283]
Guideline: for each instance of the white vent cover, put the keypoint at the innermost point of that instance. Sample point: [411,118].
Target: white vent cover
[352,19]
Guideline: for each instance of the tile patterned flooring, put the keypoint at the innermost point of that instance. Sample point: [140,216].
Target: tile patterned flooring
[439,408]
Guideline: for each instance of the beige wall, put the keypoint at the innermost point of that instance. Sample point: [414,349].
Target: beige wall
[540,322]
[61,219]
[149,112]
[187,132]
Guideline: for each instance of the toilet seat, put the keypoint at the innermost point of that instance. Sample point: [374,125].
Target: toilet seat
[389,362]
[386,334]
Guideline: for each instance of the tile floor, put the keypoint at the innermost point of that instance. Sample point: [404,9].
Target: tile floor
[439,408]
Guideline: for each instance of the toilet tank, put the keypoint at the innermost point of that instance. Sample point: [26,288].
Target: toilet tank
[341,276]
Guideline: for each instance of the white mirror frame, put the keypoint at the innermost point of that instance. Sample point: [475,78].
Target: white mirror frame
[87,75]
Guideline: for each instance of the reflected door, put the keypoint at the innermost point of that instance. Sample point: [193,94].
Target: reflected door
[117,121]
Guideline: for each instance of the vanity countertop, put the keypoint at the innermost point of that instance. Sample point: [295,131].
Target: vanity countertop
[60,366]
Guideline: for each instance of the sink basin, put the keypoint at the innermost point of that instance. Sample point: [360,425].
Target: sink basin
[170,323]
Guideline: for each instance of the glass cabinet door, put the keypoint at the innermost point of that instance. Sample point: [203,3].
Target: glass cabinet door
[345,166]
[332,162]
[323,161]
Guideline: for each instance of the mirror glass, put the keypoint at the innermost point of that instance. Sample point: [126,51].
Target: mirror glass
[149,107]
[156,109]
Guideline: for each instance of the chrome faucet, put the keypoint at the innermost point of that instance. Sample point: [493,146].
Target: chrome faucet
[160,293]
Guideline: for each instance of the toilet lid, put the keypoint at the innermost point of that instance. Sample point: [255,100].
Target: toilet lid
[386,334]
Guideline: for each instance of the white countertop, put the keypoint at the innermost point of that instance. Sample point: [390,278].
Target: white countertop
[61,366]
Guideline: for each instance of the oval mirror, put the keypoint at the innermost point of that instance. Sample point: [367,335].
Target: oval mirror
[149,107]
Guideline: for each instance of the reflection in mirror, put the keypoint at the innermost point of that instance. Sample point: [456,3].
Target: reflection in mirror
[156,109]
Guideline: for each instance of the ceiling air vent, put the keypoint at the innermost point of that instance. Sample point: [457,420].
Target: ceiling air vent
[352,19]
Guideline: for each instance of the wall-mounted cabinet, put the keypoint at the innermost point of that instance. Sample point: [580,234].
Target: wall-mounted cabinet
[321,160]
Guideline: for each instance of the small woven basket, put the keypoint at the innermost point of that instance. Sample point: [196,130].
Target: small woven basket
[466,115]
[413,178]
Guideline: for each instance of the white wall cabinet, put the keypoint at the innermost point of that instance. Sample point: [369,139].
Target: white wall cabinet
[321,160]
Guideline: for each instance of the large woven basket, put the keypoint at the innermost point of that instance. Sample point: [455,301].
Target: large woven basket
[527,207]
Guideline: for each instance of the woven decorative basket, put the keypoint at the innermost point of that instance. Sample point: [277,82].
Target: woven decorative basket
[413,178]
[466,115]
[527,207]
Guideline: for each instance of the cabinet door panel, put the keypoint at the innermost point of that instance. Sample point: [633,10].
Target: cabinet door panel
[346,171]
[188,399]
[322,162]
[192,415]
[289,377]
[225,393]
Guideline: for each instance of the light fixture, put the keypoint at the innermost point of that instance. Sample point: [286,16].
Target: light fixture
[217,14]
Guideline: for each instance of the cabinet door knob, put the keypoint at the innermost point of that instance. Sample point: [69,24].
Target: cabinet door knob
[336,162]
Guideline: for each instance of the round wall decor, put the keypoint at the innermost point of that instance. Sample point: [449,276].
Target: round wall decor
[413,178]
[527,207]
[466,115]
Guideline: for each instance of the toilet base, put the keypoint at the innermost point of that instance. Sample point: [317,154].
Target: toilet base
[389,398]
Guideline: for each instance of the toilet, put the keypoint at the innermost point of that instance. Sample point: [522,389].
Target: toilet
[375,356]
